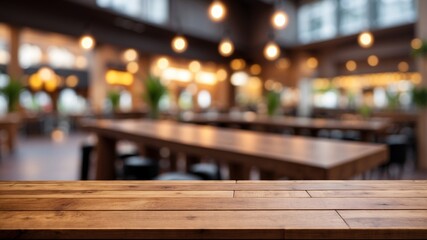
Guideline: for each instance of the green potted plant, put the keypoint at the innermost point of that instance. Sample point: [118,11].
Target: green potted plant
[273,102]
[419,97]
[154,91]
[420,51]
[114,98]
[365,111]
[12,91]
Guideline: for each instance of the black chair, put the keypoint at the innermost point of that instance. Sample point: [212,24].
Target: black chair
[86,150]
[140,168]
[397,145]
[207,171]
[169,176]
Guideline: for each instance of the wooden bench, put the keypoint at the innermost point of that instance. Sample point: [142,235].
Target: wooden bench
[213,210]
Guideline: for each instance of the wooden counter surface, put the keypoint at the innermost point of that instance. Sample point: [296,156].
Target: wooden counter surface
[213,210]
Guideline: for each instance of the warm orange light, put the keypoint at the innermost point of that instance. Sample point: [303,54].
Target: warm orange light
[35,82]
[238,64]
[132,67]
[312,62]
[179,44]
[255,69]
[271,51]
[283,63]
[217,11]
[72,81]
[87,42]
[226,47]
[416,43]
[194,66]
[279,19]
[162,63]
[115,77]
[366,39]
[130,55]
[373,60]
[221,74]
[403,66]
[351,65]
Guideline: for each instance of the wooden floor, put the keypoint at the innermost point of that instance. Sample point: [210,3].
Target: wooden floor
[213,210]
[39,158]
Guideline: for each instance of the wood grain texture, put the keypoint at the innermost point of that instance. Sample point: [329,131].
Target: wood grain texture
[213,210]
[295,157]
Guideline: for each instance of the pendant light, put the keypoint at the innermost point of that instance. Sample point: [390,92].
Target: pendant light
[179,44]
[279,19]
[226,47]
[365,39]
[271,51]
[87,42]
[217,11]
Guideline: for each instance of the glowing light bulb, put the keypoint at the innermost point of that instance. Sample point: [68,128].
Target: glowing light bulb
[221,74]
[279,20]
[179,44]
[271,51]
[351,65]
[312,62]
[416,43]
[130,55]
[217,11]
[132,67]
[87,42]
[194,66]
[373,60]
[163,63]
[226,47]
[255,69]
[366,39]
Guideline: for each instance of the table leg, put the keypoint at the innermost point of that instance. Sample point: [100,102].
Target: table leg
[173,161]
[105,158]
[11,137]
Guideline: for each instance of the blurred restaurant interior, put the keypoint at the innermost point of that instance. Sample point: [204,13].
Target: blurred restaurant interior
[213,90]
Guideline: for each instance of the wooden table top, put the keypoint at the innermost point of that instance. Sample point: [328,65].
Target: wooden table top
[213,210]
[325,158]
[291,122]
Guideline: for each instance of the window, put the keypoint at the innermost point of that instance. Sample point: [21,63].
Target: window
[149,10]
[60,57]
[29,55]
[317,21]
[204,99]
[394,12]
[354,16]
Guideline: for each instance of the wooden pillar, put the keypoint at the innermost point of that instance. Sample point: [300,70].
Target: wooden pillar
[421,32]
[14,69]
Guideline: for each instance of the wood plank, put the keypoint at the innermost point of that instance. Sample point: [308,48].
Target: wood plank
[370,193]
[122,185]
[213,204]
[109,194]
[179,224]
[270,194]
[330,185]
[402,219]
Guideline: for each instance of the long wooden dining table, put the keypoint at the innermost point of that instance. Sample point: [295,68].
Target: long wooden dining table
[213,210]
[369,129]
[292,156]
